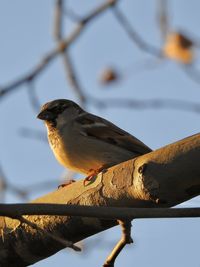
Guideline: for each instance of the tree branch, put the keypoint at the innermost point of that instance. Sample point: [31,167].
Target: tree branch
[33,225]
[61,47]
[134,36]
[138,104]
[109,213]
[163,18]
[162,178]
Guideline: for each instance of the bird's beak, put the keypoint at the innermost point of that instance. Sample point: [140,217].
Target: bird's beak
[46,115]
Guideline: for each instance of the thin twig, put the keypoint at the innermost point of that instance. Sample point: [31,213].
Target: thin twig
[72,15]
[25,191]
[163,17]
[62,46]
[73,78]
[145,104]
[110,213]
[33,134]
[33,96]
[19,192]
[3,184]
[135,37]
[125,239]
[6,186]
[58,25]
[35,72]
[68,65]
[98,10]
[60,240]
[192,73]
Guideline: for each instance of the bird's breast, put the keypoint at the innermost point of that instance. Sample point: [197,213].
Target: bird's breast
[82,154]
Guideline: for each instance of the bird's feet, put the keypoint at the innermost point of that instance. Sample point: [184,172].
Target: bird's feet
[89,178]
[93,174]
[66,183]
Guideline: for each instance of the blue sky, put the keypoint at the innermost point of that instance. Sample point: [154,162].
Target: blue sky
[26,35]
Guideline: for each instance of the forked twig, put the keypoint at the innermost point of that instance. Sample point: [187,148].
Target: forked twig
[125,239]
[61,47]
[67,62]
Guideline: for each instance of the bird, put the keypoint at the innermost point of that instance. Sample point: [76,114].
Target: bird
[84,142]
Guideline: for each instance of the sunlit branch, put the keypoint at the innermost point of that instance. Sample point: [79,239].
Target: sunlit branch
[58,239]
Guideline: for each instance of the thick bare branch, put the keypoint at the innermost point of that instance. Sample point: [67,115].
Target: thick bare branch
[162,178]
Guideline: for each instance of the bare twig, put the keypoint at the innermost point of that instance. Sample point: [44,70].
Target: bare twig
[163,17]
[146,104]
[192,73]
[73,78]
[7,186]
[32,133]
[68,63]
[19,192]
[64,242]
[110,213]
[33,97]
[69,69]
[62,46]
[125,239]
[36,71]
[137,39]
[72,15]
[3,184]
[25,191]
[58,25]
[99,10]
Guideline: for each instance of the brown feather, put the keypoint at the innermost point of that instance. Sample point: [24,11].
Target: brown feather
[110,133]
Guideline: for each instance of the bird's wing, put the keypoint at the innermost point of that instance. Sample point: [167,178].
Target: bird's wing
[101,129]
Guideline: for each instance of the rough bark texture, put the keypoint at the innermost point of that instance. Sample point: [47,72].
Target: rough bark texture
[163,178]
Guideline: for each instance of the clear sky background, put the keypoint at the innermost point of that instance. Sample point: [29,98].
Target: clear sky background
[26,35]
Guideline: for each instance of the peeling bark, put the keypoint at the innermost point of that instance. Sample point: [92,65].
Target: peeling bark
[162,178]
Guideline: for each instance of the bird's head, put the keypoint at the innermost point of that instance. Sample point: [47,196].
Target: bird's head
[57,112]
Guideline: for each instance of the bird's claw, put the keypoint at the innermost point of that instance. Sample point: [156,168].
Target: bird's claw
[66,183]
[89,179]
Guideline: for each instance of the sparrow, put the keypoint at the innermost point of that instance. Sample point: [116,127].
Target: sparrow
[86,143]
